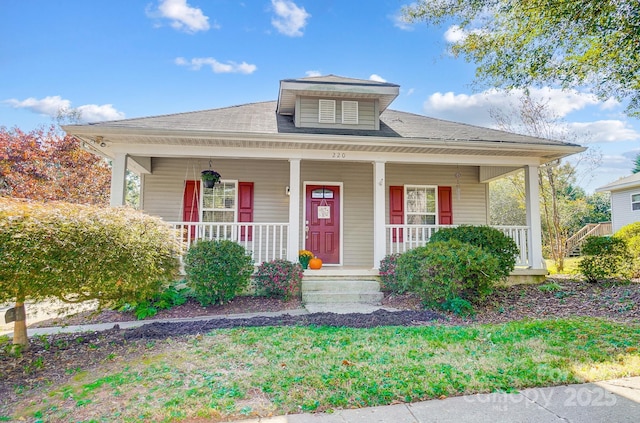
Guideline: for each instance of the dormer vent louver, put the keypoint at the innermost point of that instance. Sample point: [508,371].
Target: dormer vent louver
[326,111]
[349,112]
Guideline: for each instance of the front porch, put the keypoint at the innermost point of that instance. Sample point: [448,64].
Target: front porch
[270,241]
[369,225]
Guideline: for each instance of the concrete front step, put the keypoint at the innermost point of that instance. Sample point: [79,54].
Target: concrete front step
[339,285]
[330,290]
[334,297]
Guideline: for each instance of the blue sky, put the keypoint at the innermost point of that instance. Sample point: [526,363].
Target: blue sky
[114,59]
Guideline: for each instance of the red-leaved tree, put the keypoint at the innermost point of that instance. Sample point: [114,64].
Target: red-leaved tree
[44,165]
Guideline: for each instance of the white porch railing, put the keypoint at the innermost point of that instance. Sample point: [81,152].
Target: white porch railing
[263,241]
[268,241]
[400,238]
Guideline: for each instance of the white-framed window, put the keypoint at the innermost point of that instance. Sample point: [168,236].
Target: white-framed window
[219,204]
[326,111]
[349,112]
[635,202]
[421,204]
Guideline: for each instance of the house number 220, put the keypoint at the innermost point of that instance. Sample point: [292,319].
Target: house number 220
[336,155]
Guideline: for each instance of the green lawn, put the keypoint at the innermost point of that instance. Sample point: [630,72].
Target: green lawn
[276,370]
[570,266]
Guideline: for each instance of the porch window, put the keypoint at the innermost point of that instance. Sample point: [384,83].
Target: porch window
[635,202]
[421,205]
[219,203]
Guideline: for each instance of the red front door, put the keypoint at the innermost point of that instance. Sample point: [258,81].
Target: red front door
[322,222]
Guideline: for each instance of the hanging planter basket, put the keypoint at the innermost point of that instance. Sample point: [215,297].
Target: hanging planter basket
[210,178]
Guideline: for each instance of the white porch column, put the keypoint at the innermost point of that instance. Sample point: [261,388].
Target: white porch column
[532,191]
[118,179]
[379,235]
[293,243]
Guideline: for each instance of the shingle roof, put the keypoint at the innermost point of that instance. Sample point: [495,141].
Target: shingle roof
[335,79]
[632,181]
[261,118]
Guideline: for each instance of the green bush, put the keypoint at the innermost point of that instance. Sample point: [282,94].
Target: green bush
[217,271]
[77,252]
[444,272]
[490,239]
[170,297]
[631,234]
[604,257]
[388,277]
[278,278]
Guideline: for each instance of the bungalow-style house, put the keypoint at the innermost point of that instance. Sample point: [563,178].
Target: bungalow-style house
[327,167]
[625,201]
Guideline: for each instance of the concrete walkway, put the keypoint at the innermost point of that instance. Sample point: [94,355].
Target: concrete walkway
[310,308]
[607,402]
[138,323]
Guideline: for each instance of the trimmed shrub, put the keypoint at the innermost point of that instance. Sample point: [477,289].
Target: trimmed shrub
[442,272]
[631,234]
[388,278]
[217,271]
[77,252]
[278,279]
[604,257]
[490,239]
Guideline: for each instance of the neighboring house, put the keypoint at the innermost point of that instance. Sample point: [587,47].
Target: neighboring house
[625,200]
[327,167]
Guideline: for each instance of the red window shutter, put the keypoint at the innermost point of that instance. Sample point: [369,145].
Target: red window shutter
[245,208]
[190,204]
[396,210]
[445,207]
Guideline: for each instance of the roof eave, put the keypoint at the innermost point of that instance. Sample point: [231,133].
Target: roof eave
[98,134]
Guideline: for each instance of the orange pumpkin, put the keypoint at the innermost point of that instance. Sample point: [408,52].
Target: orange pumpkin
[315,263]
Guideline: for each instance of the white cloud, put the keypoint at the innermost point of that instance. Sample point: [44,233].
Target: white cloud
[49,106]
[400,22]
[475,108]
[217,67]
[313,73]
[605,131]
[183,17]
[454,34]
[410,91]
[53,105]
[377,78]
[290,19]
[609,104]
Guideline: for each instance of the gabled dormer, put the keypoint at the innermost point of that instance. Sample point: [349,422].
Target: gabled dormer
[335,102]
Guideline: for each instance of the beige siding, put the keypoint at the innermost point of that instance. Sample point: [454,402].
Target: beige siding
[307,114]
[163,192]
[491,173]
[357,198]
[163,189]
[470,208]
[621,213]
